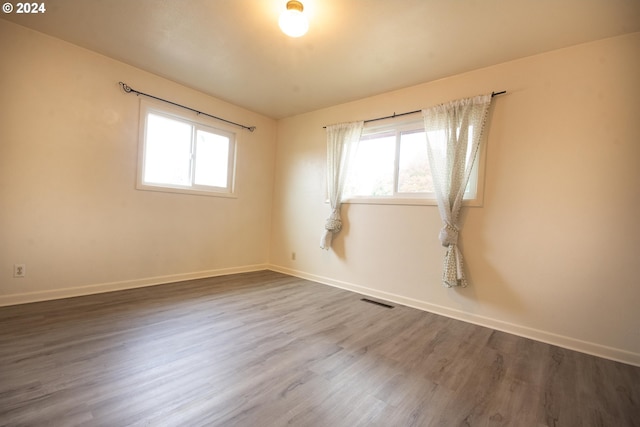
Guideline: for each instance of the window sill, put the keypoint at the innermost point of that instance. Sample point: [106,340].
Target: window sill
[178,190]
[404,201]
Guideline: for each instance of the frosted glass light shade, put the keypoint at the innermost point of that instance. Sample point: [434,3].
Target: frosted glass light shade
[292,21]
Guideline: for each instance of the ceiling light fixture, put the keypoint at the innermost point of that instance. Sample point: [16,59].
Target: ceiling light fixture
[292,21]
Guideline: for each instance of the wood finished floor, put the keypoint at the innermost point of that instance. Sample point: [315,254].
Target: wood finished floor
[266,349]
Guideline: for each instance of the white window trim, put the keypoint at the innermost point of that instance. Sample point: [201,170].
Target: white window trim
[147,106]
[423,199]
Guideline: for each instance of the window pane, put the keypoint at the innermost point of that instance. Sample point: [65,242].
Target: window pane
[396,154]
[167,151]
[372,171]
[212,159]
[414,173]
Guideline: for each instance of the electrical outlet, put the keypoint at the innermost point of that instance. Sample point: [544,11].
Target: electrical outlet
[19,270]
[293,256]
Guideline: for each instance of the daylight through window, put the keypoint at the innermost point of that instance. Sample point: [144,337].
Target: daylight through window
[178,154]
[392,166]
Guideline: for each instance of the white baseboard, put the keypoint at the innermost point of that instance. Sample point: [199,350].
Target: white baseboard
[594,349]
[118,286]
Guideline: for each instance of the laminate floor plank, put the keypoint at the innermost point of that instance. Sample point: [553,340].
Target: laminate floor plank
[267,349]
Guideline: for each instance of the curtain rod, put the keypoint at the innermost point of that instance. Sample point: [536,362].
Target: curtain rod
[129,89]
[413,112]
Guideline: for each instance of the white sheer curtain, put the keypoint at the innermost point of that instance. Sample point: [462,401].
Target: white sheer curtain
[453,133]
[342,143]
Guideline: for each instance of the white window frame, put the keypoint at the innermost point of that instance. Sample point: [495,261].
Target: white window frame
[474,194]
[198,123]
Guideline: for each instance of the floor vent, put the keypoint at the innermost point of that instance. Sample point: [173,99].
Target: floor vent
[381,304]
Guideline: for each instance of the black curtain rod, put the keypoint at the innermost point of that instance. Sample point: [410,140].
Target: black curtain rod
[413,112]
[129,89]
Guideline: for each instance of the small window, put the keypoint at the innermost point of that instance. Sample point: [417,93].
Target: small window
[392,166]
[179,154]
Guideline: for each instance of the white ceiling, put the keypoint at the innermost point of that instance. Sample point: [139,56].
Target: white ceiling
[234,50]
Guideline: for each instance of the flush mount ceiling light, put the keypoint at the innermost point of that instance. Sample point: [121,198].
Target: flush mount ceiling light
[292,21]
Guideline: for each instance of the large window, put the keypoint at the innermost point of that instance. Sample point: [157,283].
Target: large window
[179,154]
[392,166]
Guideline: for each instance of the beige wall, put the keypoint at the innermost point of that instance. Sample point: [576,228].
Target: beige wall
[68,158]
[554,252]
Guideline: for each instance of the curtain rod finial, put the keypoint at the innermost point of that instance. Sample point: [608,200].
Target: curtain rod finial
[125,87]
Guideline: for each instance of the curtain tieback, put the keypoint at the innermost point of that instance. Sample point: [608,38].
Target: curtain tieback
[334,222]
[448,235]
